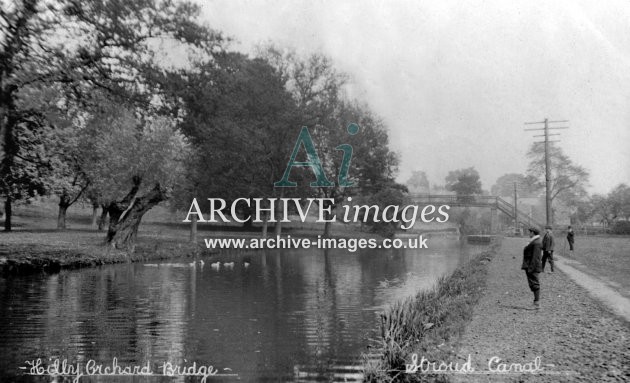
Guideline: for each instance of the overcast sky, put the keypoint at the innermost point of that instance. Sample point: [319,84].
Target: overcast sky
[456,81]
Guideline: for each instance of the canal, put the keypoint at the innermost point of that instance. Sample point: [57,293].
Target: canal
[299,315]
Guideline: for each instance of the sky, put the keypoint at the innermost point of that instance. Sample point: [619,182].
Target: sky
[456,81]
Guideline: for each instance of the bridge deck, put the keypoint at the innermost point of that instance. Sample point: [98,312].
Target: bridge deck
[494,202]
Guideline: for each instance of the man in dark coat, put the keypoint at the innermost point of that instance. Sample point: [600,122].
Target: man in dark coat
[532,263]
[570,238]
[547,248]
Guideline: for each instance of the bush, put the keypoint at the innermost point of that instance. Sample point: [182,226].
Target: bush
[621,227]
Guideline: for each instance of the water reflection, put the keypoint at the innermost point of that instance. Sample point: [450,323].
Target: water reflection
[295,315]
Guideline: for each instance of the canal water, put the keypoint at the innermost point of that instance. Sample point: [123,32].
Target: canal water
[305,315]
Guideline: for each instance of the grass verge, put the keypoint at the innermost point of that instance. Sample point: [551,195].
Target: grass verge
[430,324]
[40,251]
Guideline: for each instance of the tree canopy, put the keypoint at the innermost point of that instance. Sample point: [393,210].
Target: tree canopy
[525,185]
[93,106]
[463,181]
[568,180]
[418,182]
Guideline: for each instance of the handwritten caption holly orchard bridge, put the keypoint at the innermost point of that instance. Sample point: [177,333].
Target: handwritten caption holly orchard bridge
[76,371]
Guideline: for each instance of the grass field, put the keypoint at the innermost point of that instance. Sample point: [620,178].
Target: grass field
[35,243]
[605,257]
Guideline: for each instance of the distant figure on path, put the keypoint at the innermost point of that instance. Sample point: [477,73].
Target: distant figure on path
[532,263]
[570,239]
[547,248]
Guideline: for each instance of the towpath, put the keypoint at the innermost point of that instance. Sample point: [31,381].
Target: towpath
[580,334]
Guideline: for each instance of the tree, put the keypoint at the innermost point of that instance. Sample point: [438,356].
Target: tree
[24,168]
[68,147]
[464,182]
[317,90]
[22,158]
[568,180]
[113,50]
[418,182]
[392,194]
[504,185]
[137,163]
[600,208]
[238,117]
[373,165]
[619,201]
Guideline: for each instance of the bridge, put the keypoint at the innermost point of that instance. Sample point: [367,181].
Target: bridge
[495,204]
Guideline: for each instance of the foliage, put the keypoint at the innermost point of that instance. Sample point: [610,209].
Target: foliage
[139,162]
[390,195]
[621,227]
[472,220]
[317,91]
[525,186]
[107,46]
[418,181]
[238,117]
[125,147]
[25,166]
[619,200]
[606,208]
[432,321]
[464,182]
[568,180]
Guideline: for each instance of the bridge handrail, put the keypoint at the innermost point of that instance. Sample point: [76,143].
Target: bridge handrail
[509,209]
[452,198]
[497,201]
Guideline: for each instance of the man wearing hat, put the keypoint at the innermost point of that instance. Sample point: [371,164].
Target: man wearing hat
[547,248]
[532,263]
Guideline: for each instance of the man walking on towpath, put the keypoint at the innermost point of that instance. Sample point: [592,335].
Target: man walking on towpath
[532,263]
[570,239]
[547,248]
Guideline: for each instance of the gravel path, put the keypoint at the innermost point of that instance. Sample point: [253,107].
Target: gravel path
[575,336]
[598,288]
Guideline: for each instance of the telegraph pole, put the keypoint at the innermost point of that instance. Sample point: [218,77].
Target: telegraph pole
[516,231]
[547,160]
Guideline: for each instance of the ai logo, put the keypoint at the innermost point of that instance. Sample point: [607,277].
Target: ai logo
[315,164]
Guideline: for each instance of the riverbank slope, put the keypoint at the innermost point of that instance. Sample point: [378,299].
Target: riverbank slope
[576,337]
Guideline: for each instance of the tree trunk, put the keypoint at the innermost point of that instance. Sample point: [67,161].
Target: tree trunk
[277,229]
[64,204]
[94,223]
[61,217]
[265,225]
[193,229]
[327,228]
[327,216]
[7,214]
[102,221]
[125,215]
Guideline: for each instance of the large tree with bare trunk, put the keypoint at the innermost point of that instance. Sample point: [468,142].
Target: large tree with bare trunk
[137,162]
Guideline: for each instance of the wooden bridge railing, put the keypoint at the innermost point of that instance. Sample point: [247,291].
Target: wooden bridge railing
[476,201]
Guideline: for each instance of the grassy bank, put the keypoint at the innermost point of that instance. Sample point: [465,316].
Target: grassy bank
[35,245]
[49,251]
[605,257]
[429,324]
